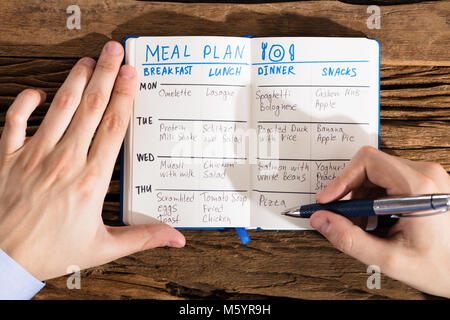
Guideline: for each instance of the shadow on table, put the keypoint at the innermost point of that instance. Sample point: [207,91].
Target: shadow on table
[238,22]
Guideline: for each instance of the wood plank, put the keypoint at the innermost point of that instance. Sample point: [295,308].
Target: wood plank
[439,155]
[393,75]
[414,134]
[215,265]
[365,2]
[41,31]
[411,113]
[434,96]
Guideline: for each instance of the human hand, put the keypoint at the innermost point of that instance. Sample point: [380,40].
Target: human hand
[52,185]
[416,251]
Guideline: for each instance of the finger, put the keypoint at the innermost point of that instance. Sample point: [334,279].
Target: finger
[354,241]
[112,129]
[14,132]
[431,170]
[127,240]
[376,166]
[95,97]
[65,103]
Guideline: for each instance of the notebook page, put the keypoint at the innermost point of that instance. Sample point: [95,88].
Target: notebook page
[187,148]
[314,104]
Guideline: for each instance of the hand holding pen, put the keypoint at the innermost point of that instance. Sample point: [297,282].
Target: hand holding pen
[415,251]
[396,207]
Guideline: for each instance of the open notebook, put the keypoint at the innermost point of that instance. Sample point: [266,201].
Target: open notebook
[230,131]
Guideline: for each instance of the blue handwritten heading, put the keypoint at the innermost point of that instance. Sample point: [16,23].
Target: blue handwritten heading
[227,60]
[276,52]
[166,53]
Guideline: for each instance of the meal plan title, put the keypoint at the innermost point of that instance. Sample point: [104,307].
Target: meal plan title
[225,60]
[176,59]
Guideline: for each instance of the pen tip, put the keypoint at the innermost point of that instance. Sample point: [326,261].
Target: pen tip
[291,212]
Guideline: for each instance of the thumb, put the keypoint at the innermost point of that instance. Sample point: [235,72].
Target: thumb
[351,239]
[127,240]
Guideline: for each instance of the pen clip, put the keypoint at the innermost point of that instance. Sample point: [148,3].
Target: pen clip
[413,206]
[420,213]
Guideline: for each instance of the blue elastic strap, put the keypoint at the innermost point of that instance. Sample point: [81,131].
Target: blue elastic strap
[243,235]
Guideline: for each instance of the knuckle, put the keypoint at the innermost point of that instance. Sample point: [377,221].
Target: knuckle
[428,185]
[92,173]
[95,101]
[59,165]
[65,100]
[367,151]
[64,157]
[124,91]
[114,122]
[107,66]
[408,188]
[88,181]
[149,240]
[80,70]
[435,168]
[31,161]
[344,242]
[14,118]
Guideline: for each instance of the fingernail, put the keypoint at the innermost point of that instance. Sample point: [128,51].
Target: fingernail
[321,224]
[113,48]
[319,193]
[42,93]
[176,243]
[127,72]
[88,62]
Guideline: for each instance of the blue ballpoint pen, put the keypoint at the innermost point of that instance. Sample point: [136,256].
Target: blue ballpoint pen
[398,207]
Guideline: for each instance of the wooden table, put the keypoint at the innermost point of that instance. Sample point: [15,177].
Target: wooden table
[38,50]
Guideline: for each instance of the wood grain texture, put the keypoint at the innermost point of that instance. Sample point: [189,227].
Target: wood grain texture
[36,50]
[40,30]
[365,2]
[215,265]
